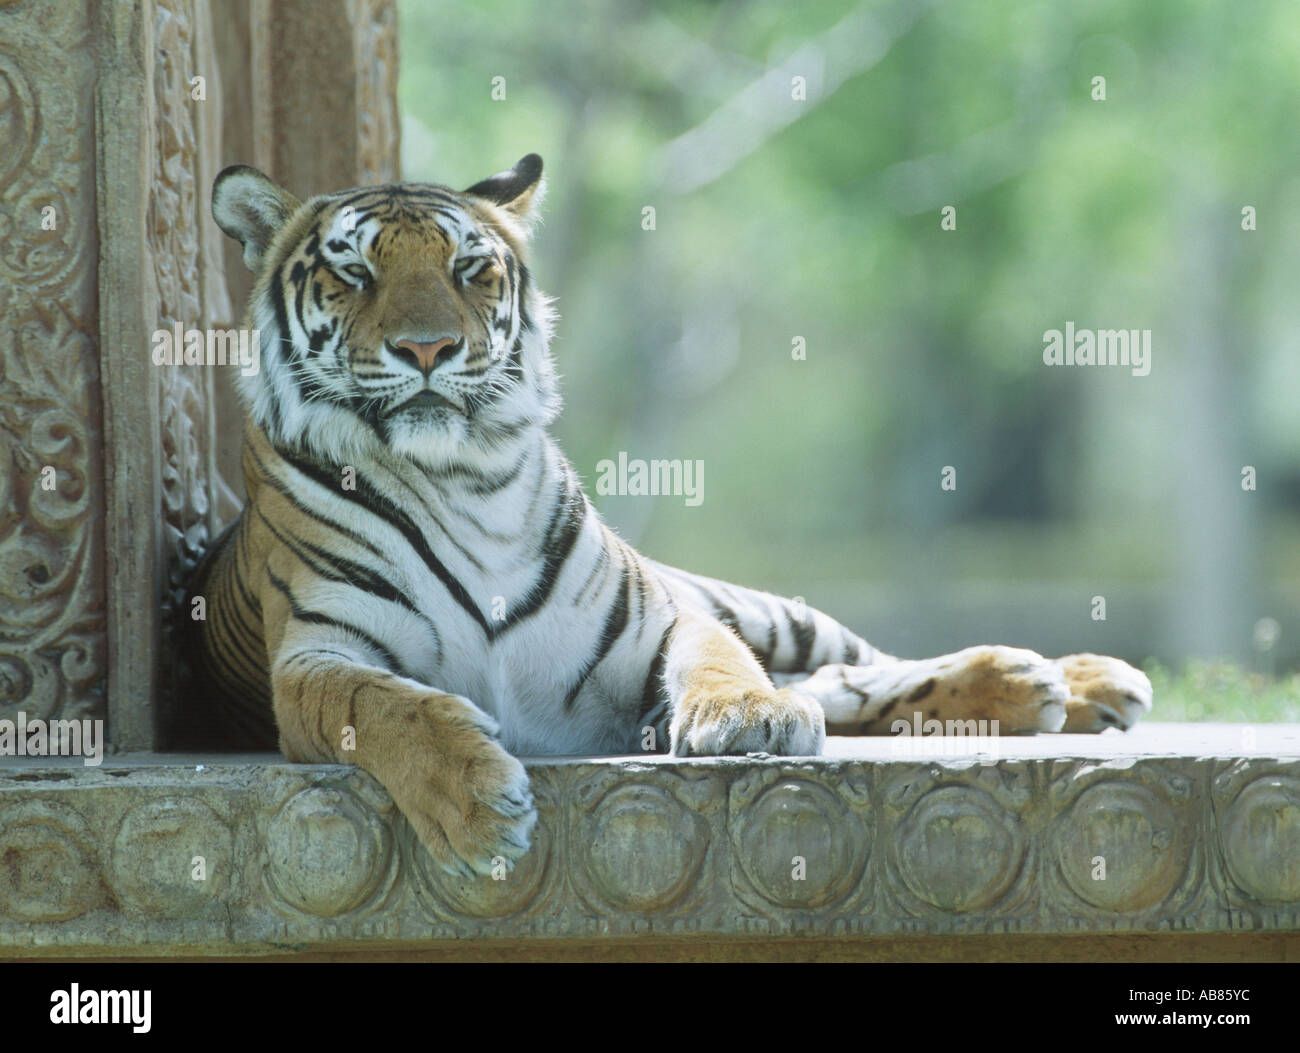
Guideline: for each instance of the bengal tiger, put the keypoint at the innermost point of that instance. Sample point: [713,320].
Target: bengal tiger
[418,584]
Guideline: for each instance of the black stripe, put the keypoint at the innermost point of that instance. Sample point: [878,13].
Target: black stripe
[805,633]
[615,623]
[228,675]
[448,213]
[725,615]
[514,367]
[298,276]
[567,520]
[654,693]
[253,603]
[602,558]
[886,711]
[852,652]
[255,668]
[279,486]
[239,640]
[311,652]
[491,484]
[274,263]
[218,656]
[865,696]
[525,279]
[379,505]
[316,337]
[316,618]
[418,501]
[337,568]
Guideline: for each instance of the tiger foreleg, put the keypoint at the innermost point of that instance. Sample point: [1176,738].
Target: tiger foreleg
[436,754]
[722,701]
[1020,690]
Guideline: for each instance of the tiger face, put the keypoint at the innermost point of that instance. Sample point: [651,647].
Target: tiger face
[398,318]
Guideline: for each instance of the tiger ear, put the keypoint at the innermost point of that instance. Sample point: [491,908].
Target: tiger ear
[518,190]
[250,208]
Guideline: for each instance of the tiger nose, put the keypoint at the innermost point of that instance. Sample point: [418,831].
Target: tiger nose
[428,355]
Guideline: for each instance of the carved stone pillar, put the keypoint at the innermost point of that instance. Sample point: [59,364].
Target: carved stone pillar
[325,92]
[52,624]
[114,119]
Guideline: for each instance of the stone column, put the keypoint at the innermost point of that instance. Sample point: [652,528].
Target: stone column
[115,473]
[53,657]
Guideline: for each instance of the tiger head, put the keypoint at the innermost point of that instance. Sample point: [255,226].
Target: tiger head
[393,319]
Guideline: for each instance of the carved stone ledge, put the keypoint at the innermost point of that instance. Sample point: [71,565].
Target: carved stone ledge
[1166,830]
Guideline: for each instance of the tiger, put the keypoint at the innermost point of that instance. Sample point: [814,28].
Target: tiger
[418,585]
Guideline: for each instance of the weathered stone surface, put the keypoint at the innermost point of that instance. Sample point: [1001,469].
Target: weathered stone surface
[863,843]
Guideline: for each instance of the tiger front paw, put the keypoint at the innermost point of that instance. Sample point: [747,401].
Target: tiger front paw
[467,799]
[782,722]
[1105,693]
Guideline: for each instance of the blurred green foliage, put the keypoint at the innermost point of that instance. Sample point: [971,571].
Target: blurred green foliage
[1224,693]
[778,218]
